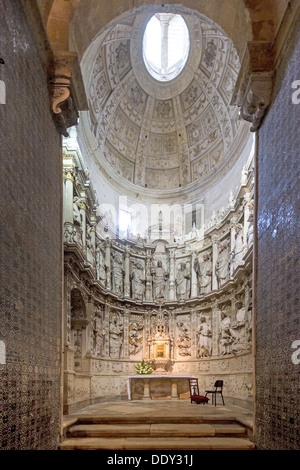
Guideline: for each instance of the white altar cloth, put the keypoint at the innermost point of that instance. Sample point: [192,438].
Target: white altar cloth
[154,376]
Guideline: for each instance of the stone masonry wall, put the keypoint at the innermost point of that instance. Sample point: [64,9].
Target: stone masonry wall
[278,320]
[30,239]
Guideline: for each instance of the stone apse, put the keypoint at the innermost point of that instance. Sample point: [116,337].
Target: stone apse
[182,302]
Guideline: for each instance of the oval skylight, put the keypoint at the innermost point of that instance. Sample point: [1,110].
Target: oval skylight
[166,46]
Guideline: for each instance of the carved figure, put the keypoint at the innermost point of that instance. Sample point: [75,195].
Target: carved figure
[118,274]
[115,338]
[204,274]
[184,340]
[101,268]
[135,344]
[222,264]
[76,210]
[97,335]
[160,277]
[225,337]
[182,282]
[204,338]
[138,282]
[238,251]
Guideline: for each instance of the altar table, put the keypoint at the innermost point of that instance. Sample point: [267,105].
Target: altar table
[161,380]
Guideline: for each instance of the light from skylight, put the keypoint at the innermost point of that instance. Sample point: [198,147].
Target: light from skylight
[165,46]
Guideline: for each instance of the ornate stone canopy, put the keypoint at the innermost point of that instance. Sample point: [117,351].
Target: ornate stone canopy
[163,136]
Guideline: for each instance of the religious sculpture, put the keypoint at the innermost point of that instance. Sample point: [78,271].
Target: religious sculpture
[184,340]
[225,337]
[138,281]
[76,210]
[135,336]
[238,251]
[204,274]
[115,338]
[160,277]
[222,264]
[182,282]
[100,265]
[98,334]
[238,330]
[204,338]
[117,274]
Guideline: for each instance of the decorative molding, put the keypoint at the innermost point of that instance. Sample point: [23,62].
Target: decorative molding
[67,91]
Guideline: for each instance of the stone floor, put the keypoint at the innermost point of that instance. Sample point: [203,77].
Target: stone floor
[158,424]
[163,409]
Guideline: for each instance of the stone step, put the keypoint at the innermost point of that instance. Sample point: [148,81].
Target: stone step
[195,419]
[156,443]
[156,430]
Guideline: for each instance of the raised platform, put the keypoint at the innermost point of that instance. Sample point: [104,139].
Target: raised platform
[158,425]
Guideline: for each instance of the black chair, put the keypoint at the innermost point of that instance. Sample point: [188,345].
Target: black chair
[194,392]
[218,389]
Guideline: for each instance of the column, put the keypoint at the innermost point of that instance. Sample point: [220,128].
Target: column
[68,199]
[108,263]
[215,329]
[174,392]
[232,243]
[194,317]
[148,277]
[194,286]
[146,395]
[83,213]
[126,334]
[172,295]
[127,275]
[214,260]
[106,332]
[146,336]
[246,202]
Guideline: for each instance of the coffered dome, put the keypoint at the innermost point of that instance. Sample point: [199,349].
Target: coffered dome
[162,135]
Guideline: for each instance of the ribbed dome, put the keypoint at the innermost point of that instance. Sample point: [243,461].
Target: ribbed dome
[163,135]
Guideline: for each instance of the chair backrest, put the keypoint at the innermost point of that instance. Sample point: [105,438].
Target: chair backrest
[194,387]
[219,384]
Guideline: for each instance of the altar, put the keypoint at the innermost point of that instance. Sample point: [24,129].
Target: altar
[165,386]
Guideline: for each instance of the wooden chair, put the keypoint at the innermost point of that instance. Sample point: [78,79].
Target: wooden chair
[194,392]
[218,389]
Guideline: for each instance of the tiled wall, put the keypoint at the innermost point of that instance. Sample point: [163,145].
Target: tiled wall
[278,316]
[30,245]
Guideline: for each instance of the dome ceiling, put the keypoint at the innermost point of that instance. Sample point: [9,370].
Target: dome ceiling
[158,135]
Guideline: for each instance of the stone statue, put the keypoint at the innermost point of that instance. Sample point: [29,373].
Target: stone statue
[184,340]
[70,233]
[225,337]
[238,330]
[100,265]
[238,251]
[76,210]
[160,277]
[204,274]
[135,336]
[182,282]
[204,338]
[97,335]
[115,338]
[90,250]
[222,264]
[117,274]
[138,282]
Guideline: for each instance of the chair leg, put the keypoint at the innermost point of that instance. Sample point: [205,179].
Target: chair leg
[222,398]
